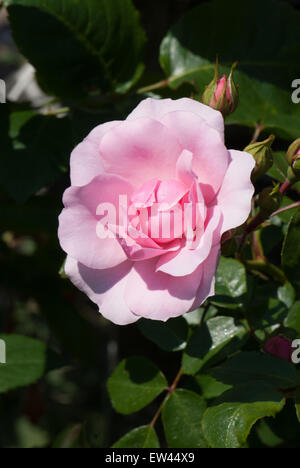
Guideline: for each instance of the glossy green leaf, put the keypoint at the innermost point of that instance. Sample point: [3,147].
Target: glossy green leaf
[293,318]
[268,304]
[36,154]
[219,335]
[231,284]
[265,50]
[79,46]
[210,387]
[25,362]
[182,415]
[253,366]
[286,294]
[291,251]
[228,424]
[134,384]
[141,437]
[169,336]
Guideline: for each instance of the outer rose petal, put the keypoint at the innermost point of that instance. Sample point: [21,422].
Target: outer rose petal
[158,108]
[234,198]
[211,157]
[85,158]
[78,222]
[104,287]
[140,150]
[207,286]
[158,296]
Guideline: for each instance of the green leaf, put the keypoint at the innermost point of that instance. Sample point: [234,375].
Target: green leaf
[219,335]
[267,305]
[169,336]
[36,154]
[25,362]
[291,251]
[293,318]
[265,50]
[231,284]
[256,367]
[266,435]
[182,415]
[228,425]
[286,294]
[210,387]
[79,46]
[134,384]
[141,437]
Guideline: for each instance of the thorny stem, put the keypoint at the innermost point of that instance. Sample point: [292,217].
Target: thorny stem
[171,389]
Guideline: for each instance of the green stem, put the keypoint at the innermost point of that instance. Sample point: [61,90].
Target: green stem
[153,87]
[258,129]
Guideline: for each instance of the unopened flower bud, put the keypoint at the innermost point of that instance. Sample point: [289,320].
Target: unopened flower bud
[262,153]
[279,346]
[293,151]
[222,94]
[269,200]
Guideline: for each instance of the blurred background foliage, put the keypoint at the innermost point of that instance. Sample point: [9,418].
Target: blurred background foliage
[95,68]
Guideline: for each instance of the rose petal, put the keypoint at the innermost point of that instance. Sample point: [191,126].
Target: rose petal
[207,286]
[140,150]
[105,288]
[158,108]
[187,261]
[158,296]
[78,222]
[234,198]
[211,158]
[85,158]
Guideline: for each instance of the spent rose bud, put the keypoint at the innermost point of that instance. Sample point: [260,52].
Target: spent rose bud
[269,200]
[262,153]
[222,94]
[279,346]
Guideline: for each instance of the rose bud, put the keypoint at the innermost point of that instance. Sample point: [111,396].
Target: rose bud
[279,346]
[222,94]
[293,158]
[262,153]
[293,151]
[269,200]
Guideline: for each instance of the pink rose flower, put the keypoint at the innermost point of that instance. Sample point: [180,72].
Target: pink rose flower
[176,189]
